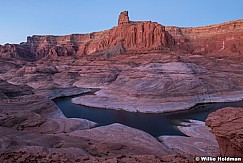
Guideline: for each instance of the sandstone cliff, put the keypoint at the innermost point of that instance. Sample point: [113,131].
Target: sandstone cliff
[133,37]
[224,38]
[127,36]
[226,125]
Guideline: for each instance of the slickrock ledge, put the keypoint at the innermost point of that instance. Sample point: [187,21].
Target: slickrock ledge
[124,138]
[200,142]
[145,105]
[32,128]
[62,92]
[37,114]
[227,126]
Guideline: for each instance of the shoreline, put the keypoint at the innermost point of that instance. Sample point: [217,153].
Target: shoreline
[167,107]
[186,111]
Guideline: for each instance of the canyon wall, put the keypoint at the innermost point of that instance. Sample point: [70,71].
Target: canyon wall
[127,36]
[134,37]
[221,39]
[226,38]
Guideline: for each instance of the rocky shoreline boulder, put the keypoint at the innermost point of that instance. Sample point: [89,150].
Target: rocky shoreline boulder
[226,125]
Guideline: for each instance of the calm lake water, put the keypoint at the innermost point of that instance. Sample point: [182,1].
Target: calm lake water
[154,124]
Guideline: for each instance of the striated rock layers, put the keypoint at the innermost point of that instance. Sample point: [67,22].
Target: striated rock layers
[127,36]
[226,125]
[221,39]
[9,90]
[133,37]
[33,129]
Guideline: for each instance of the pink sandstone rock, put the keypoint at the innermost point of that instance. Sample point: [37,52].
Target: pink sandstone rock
[226,125]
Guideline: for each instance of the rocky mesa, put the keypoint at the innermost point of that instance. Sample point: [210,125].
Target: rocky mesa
[137,66]
[127,36]
[134,37]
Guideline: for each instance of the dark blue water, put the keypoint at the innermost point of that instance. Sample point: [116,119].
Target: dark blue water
[154,124]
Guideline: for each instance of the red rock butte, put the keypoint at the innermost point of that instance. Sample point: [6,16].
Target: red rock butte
[134,37]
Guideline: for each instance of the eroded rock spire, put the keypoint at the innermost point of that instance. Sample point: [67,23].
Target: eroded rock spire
[123,18]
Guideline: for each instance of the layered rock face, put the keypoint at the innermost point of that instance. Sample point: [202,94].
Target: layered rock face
[134,37]
[127,36]
[9,90]
[222,39]
[219,39]
[17,51]
[226,125]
